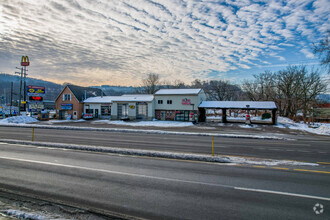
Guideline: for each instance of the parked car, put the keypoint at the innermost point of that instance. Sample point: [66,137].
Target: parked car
[87,116]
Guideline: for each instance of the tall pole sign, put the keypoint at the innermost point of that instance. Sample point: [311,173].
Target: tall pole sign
[24,63]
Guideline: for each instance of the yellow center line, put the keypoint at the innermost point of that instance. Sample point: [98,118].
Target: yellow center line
[323,163]
[315,171]
[280,168]
[259,166]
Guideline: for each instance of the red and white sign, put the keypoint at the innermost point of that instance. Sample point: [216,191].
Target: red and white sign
[186,101]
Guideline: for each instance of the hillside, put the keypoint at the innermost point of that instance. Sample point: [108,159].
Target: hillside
[52,89]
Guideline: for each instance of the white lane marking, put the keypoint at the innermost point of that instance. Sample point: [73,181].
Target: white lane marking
[283,193]
[115,172]
[168,179]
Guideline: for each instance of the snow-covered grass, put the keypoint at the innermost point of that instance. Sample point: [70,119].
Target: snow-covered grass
[320,128]
[146,123]
[18,120]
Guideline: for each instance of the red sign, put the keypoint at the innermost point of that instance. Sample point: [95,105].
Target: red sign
[186,101]
[36,98]
[25,61]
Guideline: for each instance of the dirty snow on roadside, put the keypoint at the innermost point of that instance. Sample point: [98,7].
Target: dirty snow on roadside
[18,120]
[63,121]
[268,162]
[147,123]
[320,128]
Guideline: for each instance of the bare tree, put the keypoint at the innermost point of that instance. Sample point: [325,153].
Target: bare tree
[220,90]
[292,89]
[323,51]
[151,83]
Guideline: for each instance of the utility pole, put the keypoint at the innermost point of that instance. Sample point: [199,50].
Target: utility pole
[24,89]
[11,97]
[20,90]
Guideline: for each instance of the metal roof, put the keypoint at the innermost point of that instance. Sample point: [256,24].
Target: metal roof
[178,92]
[239,104]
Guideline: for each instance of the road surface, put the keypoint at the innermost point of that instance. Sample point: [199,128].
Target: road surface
[162,189]
[309,148]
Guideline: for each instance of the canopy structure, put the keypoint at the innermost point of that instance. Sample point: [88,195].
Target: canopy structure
[243,105]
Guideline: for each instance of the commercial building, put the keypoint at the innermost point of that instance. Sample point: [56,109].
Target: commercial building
[69,103]
[178,104]
[125,107]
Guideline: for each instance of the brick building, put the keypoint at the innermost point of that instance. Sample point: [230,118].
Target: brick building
[69,103]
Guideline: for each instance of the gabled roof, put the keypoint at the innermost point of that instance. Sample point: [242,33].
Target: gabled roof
[79,92]
[238,104]
[178,92]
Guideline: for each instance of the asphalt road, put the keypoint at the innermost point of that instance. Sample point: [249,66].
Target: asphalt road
[309,148]
[161,189]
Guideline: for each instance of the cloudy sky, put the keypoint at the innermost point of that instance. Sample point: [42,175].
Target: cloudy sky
[98,42]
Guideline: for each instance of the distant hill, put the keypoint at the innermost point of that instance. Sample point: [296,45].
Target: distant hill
[118,90]
[52,89]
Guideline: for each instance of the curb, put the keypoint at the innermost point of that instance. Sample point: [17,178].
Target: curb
[124,151]
[145,131]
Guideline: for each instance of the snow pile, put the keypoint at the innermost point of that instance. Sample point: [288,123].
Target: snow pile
[320,128]
[268,162]
[62,121]
[247,126]
[24,215]
[18,120]
[126,151]
[169,155]
[147,123]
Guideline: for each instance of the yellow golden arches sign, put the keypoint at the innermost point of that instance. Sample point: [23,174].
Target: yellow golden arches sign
[25,61]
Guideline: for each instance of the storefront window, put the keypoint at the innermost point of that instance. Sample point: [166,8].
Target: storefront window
[105,110]
[89,111]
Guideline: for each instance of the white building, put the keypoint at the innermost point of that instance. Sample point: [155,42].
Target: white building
[178,104]
[166,104]
[121,107]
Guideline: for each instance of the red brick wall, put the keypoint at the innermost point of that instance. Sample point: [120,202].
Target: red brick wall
[76,106]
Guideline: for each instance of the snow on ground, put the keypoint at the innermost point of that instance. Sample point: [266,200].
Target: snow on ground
[230,118]
[24,215]
[150,131]
[61,121]
[147,123]
[18,120]
[320,128]
[268,162]
[126,151]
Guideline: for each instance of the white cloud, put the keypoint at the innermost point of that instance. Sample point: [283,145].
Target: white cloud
[106,42]
[307,53]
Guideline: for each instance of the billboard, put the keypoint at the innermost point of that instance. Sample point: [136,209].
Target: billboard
[35,106]
[35,90]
